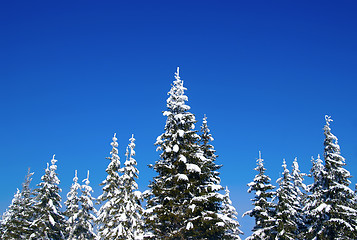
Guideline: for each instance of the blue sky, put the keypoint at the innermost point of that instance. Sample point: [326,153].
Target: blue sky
[265,73]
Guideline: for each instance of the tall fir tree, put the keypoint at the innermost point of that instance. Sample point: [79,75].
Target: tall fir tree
[263,211]
[72,208]
[174,192]
[286,214]
[49,222]
[109,215]
[228,215]
[335,216]
[86,218]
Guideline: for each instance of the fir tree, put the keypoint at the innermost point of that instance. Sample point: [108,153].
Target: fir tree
[300,197]
[86,219]
[173,192]
[211,221]
[110,214]
[27,207]
[49,222]
[131,197]
[334,217]
[11,223]
[72,208]
[263,210]
[286,221]
[314,199]
[229,218]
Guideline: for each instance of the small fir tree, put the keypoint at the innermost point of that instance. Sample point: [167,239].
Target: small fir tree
[109,214]
[49,222]
[229,218]
[209,206]
[11,224]
[27,213]
[131,197]
[86,218]
[72,208]
[301,196]
[314,199]
[286,221]
[263,211]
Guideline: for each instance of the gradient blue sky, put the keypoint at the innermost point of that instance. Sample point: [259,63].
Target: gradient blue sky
[265,72]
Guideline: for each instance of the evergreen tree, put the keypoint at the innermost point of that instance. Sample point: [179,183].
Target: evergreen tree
[314,199]
[263,210]
[334,217]
[110,213]
[72,208]
[27,213]
[11,223]
[86,219]
[174,192]
[17,220]
[301,196]
[212,221]
[229,218]
[49,222]
[131,208]
[286,226]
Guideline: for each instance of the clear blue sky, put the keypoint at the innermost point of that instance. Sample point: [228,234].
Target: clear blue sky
[264,72]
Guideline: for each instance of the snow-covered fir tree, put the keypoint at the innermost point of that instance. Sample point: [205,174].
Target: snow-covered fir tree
[27,207]
[110,213]
[228,215]
[131,210]
[72,208]
[301,196]
[86,218]
[334,216]
[49,222]
[11,223]
[213,222]
[314,199]
[286,213]
[263,210]
[18,219]
[174,192]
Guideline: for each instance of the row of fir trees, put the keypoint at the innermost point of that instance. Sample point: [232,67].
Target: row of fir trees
[324,209]
[185,199]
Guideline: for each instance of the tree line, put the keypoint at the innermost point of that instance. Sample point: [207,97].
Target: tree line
[185,200]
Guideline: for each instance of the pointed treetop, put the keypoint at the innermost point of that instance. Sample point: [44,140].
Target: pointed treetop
[178,72]
[114,138]
[132,139]
[53,161]
[86,181]
[284,163]
[227,191]
[75,179]
[328,120]
[260,160]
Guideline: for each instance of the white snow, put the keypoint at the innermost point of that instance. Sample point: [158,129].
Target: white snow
[176,148]
[189,226]
[193,168]
[182,177]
